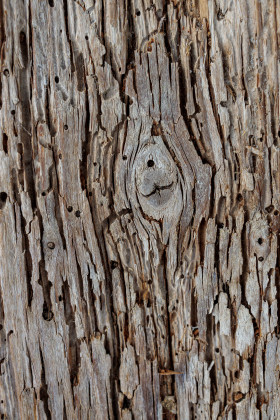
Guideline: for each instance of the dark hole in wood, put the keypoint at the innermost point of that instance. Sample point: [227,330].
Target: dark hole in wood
[86,37]
[23,48]
[13,112]
[60,156]
[239,197]
[3,196]
[217,350]
[124,157]
[60,298]
[150,163]
[47,314]
[51,245]
[260,241]
[270,208]
[6,72]
[126,403]
[5,142]
[260,259]
[114,264]
[78,213]
[51,3]
[66,127]
[138,13]
[56,79]
[276,213]
[70,208]
[43,193]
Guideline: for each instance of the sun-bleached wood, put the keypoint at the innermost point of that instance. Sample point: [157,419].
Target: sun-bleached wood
[139,209]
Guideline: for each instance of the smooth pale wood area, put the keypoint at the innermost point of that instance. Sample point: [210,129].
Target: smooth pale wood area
[139,209]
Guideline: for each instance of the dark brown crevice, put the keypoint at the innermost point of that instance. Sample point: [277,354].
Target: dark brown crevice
[57,205]
[209,357]
[64,411]
[85,144]
[5,141]
[28,261]
[2,41]
[65,9]
[74,358]
[44,396]
[26,127]
[202,239]
[46,286]
[91,305]
[80,71]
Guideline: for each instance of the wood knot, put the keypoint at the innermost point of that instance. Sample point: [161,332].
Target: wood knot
[155,175]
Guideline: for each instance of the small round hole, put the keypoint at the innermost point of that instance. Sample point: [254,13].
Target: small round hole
[276,213]
[13,112]
[150,163]
[44,193]
[66,127]
[217,350]
[60,298]
[86,37]
[56,79]
[138,13]
[260,241]
[94,163]
[70,208]
[78,213]
[260,259]
[60,156]
[124,157]
[239,197]
[6,73]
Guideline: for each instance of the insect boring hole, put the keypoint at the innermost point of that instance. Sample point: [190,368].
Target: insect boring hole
[150,163]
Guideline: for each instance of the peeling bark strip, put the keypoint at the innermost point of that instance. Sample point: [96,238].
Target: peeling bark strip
[139,209]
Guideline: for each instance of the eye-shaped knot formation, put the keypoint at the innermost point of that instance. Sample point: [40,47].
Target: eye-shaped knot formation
[155,175]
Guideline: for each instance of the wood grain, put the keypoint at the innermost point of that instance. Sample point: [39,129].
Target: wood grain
[139,209]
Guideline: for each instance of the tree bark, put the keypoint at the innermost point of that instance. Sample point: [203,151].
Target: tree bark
[139,209]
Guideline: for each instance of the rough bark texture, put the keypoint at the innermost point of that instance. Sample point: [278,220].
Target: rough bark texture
[139,209]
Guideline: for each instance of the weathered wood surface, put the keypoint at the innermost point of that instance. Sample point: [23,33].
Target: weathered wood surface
[139,209]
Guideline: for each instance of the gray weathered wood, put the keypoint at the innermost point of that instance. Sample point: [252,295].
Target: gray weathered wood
[139,209]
